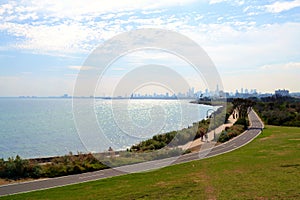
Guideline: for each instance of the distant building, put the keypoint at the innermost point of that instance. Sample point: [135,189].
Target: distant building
[206,92]
[295,94]
[65,96]
[217,90]
[282,93]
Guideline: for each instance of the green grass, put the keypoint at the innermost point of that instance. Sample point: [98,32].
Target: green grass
[267,168]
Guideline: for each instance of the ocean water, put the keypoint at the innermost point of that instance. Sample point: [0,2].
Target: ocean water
[35,128]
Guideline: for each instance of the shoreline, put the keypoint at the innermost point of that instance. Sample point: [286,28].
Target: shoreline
[47,137]
[105,158]
[193,147]
[46,158]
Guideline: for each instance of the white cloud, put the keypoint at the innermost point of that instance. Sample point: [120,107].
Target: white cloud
[75,8]
[63,38]
[280,6]
[28,16]
[284,66]
[69,27]
[145,12]
[231,48]
[57,33]
[235,2]
[84,68]
[118,69]
[235,43]
[71,75]
[151,57]
[216,1]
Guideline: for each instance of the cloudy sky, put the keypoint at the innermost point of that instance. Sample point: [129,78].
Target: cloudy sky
[254,44]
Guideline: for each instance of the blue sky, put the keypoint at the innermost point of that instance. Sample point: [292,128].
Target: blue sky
[254,44]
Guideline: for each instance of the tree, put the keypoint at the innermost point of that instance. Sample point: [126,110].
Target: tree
[243,106]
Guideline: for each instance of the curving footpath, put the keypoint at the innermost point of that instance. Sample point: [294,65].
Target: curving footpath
[209,150]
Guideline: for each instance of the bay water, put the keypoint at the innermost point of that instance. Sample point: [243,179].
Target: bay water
[42,127]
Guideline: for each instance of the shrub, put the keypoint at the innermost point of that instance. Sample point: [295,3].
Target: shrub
[231,132]
[72,164]
[279,111]
[15,168]
[242,121]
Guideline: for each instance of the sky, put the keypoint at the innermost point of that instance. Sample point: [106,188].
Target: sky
[253,44]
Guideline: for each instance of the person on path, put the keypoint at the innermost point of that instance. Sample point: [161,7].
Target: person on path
[206,137]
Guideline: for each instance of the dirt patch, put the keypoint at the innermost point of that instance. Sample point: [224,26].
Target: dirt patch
[195,149]
[283,153]
[206,181]
[234,171]
[162,184]
[7,181]
[210,191]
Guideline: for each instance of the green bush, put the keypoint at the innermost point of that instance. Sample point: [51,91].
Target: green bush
[231,132]
[16,168]
[279,111]
[242,121]
[72,164]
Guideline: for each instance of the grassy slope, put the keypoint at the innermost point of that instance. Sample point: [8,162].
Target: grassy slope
[267,168]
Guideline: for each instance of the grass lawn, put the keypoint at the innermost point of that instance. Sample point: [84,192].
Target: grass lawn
[267,168]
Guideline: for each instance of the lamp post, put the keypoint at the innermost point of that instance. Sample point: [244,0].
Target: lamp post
[213,115]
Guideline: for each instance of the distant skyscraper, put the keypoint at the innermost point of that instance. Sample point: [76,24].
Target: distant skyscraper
[206,92]
[191,92]
[217,89]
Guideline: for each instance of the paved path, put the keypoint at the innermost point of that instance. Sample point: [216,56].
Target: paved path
[208,150]
[198,142]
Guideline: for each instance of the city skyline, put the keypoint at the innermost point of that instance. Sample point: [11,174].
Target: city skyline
[191,93]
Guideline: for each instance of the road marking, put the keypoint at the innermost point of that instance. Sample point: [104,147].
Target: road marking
[90,176]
